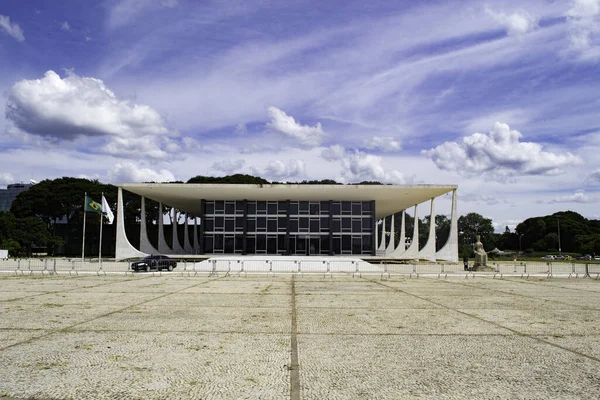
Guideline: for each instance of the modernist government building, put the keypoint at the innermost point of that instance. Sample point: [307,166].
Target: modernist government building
[288,219]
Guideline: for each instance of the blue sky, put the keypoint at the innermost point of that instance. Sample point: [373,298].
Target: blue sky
[500,98]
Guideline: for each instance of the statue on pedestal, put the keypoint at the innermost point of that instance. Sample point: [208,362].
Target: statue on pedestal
[480,254]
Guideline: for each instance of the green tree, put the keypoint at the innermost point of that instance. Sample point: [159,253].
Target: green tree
[471,225]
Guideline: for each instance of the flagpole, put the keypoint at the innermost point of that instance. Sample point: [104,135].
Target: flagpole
[100,246]
[83,240]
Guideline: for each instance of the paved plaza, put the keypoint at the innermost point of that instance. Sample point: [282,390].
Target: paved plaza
[298,337]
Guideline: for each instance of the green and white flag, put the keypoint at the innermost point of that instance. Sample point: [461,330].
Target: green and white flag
[92,206]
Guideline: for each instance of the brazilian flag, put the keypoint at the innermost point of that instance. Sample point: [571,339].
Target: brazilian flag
[92,206]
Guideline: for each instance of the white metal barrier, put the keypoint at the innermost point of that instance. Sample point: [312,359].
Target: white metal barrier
[219,266]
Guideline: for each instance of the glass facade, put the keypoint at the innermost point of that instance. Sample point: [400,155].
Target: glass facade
[8,195]
[288,227]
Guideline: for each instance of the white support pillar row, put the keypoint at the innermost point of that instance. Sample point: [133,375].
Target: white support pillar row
[382,244]
[392,241]
[186,237]
[177,249]
[428,251]
[412,253]
[163,247]
[123,248]
[145,244]
[449,252]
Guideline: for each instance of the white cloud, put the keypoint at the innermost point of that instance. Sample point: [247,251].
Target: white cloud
[241,128]
[310,136]
[6,178]
[228,166]
[594,177]
[335,152]
[584,28]
[169,3]
[13,29]
[130,172]
[360,166]
[516,23]
[584,8]
[65,26]
[74,107]
[385,143]
[577,197]
[498,155]
[277,170]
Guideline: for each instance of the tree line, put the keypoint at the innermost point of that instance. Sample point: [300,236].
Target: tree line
[49,216]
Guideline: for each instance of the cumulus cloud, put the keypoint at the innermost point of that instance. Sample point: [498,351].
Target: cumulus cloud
[309,136]
[74,107]
[65,26]
[517,23]
[241,128]
[594,177]
[359,166]
[279,170]
[577,197]
[384,143]
[6,178]
[130,172]
[481,198]
[498,155]
[228,166]
[334,153]
[584,29]
[13,29]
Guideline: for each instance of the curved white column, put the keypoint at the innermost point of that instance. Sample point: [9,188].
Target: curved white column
[186,237]
[177,249]
[382,244]
[145,244]
[390,246]
[412,253]
[402,245]
[163,247]
[449,252]
[123,249]
[428,251]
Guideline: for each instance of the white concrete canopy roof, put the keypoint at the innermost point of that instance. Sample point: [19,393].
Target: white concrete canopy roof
[389,199]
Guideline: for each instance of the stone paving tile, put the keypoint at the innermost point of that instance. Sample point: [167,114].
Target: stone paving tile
[244,300]
[137,365]
[243,285]
[334,287]
[49,315]
[200,319]
[574,302]
[390,321]
[376,300]
[585,344]
[543,321]
[89,298]
[9,337]
[495,301]
[452,367]
[146,285]
[12,295]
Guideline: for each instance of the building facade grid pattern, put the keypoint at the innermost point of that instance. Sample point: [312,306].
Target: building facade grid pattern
[288,227]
